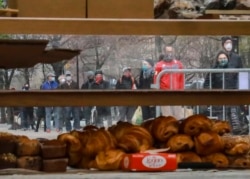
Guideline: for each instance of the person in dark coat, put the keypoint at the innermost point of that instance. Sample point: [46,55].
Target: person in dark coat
[103,112]
[87,86]
[232,113]
[126,82]
[234,61]
[145,80]
[27,114]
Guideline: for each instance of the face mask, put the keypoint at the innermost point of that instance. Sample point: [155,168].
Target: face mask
[228,47]
[52,79]
[144,67]
[98,79]
[62,81]
[223,62]
[91,80]
[168,57]
[68,78]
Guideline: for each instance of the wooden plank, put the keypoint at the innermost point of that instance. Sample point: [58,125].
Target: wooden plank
[143,9]
[228,12]
[122,97]
[122,26]
[55,8]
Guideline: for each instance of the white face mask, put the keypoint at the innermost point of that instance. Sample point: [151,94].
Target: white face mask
[62,81]
[68,78]
[228,47]
[52,78]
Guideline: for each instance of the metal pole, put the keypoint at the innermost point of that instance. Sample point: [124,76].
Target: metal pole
[77,71]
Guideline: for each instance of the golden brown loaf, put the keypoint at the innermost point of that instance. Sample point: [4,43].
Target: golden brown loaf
[164,127]
[27,147]
[109,160]
[135,139]
[73,148]
[221,127]
[187,157]
[239,162]
[180,143]
[195,124]
[207,143]
[30,163]
[218,159]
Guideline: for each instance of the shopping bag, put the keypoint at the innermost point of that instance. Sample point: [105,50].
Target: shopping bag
[137,117]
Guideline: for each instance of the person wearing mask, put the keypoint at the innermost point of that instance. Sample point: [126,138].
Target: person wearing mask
[127,82]
[71,111]
[170,81]
[145,80]
[103,112]
[234,60]
[49,84]
[87,86]
[59,112]
[27,113]
[218,81]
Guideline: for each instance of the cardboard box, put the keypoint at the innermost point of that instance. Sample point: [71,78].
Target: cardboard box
[149,162]
[52,8]
[120,9]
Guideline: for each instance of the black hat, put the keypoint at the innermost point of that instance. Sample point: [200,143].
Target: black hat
[98,72]
[224,39]
[150,61]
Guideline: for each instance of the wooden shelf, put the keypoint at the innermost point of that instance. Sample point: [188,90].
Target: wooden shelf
[80,26]
[122,97]
[228,12]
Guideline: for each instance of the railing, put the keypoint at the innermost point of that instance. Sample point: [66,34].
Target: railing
[196,72]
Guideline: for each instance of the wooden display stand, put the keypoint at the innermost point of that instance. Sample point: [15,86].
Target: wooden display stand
[50,8]
[142,9]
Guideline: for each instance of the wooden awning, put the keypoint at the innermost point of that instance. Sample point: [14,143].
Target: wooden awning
[27,53]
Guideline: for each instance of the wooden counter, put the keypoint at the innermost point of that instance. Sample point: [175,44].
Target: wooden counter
[122,97]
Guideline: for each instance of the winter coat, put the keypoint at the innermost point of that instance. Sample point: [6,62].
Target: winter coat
[126,83]
[146,81]
[69,86]
[49,85]
[172,81]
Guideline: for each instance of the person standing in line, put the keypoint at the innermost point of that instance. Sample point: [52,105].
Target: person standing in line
[71,111]
[103,112]
[59,112]
[126,82]
[27,113]
[145,80]
[87,86]
[170,81]
[49,84]
[218,81]
[234,60]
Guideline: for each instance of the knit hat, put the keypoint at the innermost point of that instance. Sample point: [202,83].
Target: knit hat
[126,68]
[98,72]
[50,74]
[150,61]
[90,73]
[67,73]
[224,39]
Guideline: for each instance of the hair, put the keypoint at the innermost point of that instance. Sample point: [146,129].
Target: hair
[218,54]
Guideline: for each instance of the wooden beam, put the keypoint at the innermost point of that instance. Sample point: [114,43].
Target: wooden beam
[228,12]
[122,97]
[80,26]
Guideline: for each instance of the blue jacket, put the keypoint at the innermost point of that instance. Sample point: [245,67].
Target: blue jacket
[49,85]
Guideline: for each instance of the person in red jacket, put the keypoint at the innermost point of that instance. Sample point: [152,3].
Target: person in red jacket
[170,81]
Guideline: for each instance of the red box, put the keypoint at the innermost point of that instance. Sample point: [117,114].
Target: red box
[149,162]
